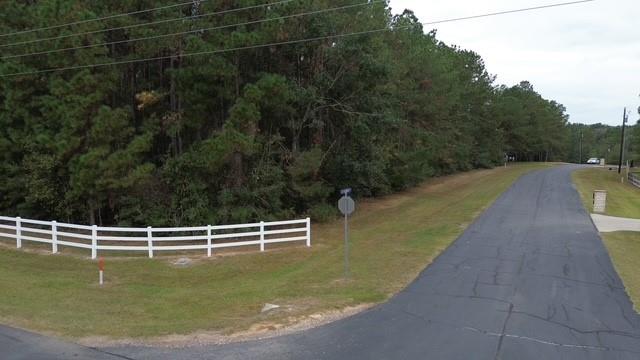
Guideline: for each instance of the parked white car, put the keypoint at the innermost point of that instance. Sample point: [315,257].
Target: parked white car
[593,161]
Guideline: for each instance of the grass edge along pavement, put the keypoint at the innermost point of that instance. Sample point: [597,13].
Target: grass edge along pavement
[623,200]
[392,240]
[624,249]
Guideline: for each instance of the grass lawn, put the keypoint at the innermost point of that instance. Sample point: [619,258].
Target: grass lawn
[624,248]
[392,240]
[623,200]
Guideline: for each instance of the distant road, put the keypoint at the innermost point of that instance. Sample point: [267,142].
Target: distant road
[530,279]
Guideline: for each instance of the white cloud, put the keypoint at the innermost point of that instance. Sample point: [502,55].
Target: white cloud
[586,56]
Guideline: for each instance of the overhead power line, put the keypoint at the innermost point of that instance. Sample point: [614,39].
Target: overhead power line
[281,43]
[209,52]
[99,19]
[250,8]
[34,41]
[254,22]
[509,12]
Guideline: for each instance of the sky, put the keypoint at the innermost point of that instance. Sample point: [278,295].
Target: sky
[585,56]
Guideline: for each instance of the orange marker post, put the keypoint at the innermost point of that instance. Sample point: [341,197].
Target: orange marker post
[101,267]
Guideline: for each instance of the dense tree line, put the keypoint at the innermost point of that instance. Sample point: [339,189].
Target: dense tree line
[634,141]
[601,141]
[262,133]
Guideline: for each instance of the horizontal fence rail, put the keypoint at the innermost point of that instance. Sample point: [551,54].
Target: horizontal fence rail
[634,180]
[152,240]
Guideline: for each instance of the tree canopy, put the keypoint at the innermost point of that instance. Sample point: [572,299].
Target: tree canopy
[233,136]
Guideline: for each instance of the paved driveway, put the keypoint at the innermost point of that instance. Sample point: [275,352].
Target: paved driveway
[530,279]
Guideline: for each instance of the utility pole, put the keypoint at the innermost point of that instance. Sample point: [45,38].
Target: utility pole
[581,137]
[624,124]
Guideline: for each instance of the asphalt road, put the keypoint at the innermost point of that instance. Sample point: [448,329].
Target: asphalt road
[530,279]
[17,344]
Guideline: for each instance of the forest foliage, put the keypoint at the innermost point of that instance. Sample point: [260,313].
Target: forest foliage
[234,136]
[603,142]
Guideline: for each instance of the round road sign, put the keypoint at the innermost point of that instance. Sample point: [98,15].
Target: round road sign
[346,205]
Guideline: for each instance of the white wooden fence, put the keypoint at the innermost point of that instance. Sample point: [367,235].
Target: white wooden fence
[634,180]
[96,238]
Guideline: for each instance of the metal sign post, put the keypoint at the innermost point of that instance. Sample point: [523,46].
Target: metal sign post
[347,206]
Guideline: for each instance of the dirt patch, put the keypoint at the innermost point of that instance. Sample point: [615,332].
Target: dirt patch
[39,249]
[257,331]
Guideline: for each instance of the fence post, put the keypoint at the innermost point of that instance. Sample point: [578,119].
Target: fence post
[261,235]
[209,240]
[54,237]
[18,232]
[308,232]
[94,242]
[150,241]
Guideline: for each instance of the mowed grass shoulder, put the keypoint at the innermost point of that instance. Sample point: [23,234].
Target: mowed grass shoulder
[624,249]
[623,200]
[393,239]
